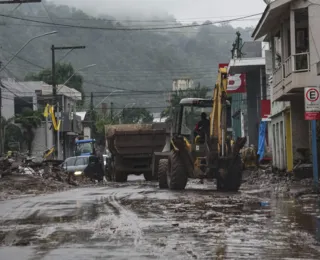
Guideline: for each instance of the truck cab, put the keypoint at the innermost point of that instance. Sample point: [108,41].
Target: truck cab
[190,115]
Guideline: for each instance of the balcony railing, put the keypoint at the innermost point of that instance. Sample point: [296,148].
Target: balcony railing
[278,76]
[287,67]
[301,62]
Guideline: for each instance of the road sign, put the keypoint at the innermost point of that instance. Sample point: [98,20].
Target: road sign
[312,103]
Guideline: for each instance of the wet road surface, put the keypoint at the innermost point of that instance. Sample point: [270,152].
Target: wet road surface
[136,220]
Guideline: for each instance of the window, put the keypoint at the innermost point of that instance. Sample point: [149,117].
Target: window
[83,148]
[82,161]
[70,161]
[191,116]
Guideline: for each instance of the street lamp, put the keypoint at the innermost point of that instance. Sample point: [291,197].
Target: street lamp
[116,90]
[74,73]
[23,46]
[86,67]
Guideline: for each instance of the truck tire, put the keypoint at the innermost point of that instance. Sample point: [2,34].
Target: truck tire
[177,177]
[120,176]
[232,180]
[162,173]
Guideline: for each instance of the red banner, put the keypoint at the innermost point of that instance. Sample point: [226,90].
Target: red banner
[236,82]
[265,108]
[223,65]
[311,115]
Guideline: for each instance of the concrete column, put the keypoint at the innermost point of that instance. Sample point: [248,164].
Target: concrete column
[253,104]
[273,51]
[293,36]
[282,43]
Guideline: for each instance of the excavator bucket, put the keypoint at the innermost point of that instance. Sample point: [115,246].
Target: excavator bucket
[229,176]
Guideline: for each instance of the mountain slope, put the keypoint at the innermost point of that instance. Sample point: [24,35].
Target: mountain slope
[130,60]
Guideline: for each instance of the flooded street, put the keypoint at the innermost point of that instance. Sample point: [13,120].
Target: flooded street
[136,220]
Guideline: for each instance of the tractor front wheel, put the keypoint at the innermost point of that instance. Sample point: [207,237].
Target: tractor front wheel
[177,177]
[162,173]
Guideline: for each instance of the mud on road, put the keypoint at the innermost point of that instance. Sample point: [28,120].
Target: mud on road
[136,220]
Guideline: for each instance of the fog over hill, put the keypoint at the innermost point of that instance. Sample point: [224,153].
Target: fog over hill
[144,60]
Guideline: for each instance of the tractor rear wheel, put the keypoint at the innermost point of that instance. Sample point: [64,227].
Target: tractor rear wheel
[148,176]
[177,177]
[231,178]
[162,173]
[119,176]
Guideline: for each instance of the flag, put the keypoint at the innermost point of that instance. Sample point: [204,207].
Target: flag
[54,122]
[46,111]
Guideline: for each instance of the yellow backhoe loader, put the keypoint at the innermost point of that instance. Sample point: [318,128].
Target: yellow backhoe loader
[210,155]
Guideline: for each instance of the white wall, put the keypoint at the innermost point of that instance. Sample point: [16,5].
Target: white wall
[7,104]
[182,84]
[314,37]
[87,132]
[39,143]
[278,142]
[279,106]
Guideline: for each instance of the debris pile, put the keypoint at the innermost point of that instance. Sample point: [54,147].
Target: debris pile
[22,175]
[280,184]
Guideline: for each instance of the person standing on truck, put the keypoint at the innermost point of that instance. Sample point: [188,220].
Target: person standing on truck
[203,126]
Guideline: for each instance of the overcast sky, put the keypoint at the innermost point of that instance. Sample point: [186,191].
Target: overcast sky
[184,10]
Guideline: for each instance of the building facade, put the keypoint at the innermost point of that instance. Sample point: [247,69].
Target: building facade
[182,84]
[246,108]
[17,96]
[290,26]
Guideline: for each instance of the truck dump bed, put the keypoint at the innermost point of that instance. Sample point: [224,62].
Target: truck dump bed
[135,139]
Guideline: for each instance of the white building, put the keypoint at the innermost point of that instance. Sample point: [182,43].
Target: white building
[291,28]
[182,84]
[35,95]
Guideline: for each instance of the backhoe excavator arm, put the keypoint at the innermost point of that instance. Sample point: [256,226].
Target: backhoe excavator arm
[218,126]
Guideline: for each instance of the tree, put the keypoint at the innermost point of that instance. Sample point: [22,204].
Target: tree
[101,122]
[197,92]
[4,124]
[13,136]
[63,72]
[136,115]
[29,120]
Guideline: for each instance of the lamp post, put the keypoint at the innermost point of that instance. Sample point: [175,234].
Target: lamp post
[23,46]
[74,73]
[116,90]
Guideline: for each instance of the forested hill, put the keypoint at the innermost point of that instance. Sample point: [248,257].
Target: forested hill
[132,60]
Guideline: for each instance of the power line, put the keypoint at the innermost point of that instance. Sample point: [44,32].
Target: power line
[92,18]
[209,68]
[167,32]
[127,29]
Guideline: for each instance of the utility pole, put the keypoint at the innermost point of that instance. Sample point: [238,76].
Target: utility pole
[1,126]
[54,87]
[91,114]
[53,48]
[111,110]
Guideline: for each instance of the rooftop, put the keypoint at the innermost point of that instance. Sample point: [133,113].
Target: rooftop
[24,88]
[269,18]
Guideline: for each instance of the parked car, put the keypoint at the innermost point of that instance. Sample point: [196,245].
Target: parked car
[80,166]
[76,164]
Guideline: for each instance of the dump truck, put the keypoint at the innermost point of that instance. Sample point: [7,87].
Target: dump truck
[209,155]
[132,147]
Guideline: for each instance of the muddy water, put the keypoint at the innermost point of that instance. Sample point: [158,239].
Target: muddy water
[136,220]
